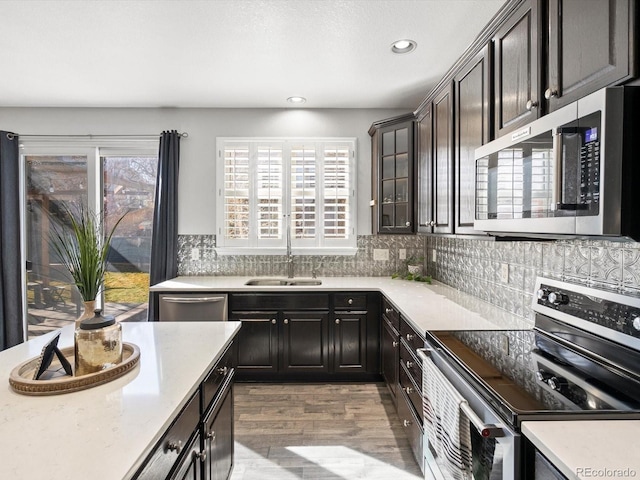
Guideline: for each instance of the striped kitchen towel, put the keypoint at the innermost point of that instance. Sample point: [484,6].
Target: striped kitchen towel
[446,427]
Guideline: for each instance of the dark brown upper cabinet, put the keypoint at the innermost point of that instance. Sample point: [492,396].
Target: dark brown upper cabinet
[435,163]
[442,164]
[472,89]
[394,157]
[517,68]
[589,47]
[424,168]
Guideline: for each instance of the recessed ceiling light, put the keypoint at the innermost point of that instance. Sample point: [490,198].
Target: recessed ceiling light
[296,100]
[403,46]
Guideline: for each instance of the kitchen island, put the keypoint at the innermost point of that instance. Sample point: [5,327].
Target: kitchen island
[106,432]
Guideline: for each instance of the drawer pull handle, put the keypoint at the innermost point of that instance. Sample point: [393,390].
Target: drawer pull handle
[222,370]
[409,390]
[286,321]
[410,364]
[388,310]
[175,446]
[410,336]
[406,423]
[350,301]
[273,320]
[337,321]
[394,344]
[202,456]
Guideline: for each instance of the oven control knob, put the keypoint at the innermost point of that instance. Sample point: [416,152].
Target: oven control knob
[556,383]
[543,294]
[557,298]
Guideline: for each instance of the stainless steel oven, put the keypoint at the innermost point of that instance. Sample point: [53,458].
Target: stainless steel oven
[569,173]
[580,361]
[492,449]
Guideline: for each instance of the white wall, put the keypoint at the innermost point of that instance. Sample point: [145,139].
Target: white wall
[197,168]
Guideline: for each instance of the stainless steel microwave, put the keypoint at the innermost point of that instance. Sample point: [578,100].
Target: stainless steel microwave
[571,173]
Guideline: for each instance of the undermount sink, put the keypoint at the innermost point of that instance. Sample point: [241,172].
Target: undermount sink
[292,282]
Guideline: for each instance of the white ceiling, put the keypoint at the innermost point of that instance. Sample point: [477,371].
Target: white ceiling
[230,53]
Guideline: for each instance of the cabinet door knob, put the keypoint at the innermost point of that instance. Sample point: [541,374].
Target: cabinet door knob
[286,321]
[531,105]
[273,320]
[548,93]
[211,435]
[174,446]
[408,390]
[410,364]
[394,343]
[406,423]
[337,321]
[222,370]
[350,301]
[388,310]
[408,224]
[410,336]
[201,455]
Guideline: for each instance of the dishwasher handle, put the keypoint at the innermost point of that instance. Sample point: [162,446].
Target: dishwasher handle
[193,299]
[487,430]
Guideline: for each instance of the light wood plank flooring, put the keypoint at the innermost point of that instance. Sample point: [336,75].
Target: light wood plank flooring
[319,431]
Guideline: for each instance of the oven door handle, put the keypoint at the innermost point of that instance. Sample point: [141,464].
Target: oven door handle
[486,430]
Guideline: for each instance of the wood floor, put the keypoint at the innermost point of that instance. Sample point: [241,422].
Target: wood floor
[319,431]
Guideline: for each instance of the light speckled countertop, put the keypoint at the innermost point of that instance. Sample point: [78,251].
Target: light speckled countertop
[434,307]
[105,432]
[588,449]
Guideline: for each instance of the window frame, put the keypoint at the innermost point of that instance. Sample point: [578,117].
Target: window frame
[317,245]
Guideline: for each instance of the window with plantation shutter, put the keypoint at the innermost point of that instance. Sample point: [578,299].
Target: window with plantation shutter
[268,185]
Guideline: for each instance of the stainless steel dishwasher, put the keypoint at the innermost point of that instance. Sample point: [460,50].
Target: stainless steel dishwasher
[189,307]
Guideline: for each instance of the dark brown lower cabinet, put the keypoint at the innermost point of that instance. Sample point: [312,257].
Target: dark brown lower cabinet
[390,358]
[256,345]
[350,342]
[199,443]
[191,466]
[305,342]
[307,336]
[218,439]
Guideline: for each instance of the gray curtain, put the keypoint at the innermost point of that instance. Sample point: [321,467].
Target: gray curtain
[11,327]
[164,242]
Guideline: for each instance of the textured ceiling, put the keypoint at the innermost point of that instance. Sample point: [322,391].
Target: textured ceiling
[230,53]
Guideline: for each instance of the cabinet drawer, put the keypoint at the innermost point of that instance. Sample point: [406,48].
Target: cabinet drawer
[414,339]
[169,449]
[412,391]
[390,313]
[412,427]
[275,301]
[412,365]
[216,377]
[348,301]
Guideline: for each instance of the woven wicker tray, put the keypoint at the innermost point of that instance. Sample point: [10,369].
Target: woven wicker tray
[21,377]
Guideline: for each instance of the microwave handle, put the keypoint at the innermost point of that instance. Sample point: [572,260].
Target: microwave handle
[556,198]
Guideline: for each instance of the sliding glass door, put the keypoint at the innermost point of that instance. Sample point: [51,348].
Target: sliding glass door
[111,182]
[129,190]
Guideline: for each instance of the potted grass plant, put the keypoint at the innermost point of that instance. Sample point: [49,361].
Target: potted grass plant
[83,249]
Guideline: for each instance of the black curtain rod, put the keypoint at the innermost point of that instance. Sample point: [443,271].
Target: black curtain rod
[11,136]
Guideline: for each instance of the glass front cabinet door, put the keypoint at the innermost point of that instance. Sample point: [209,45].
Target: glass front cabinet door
[395,178]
